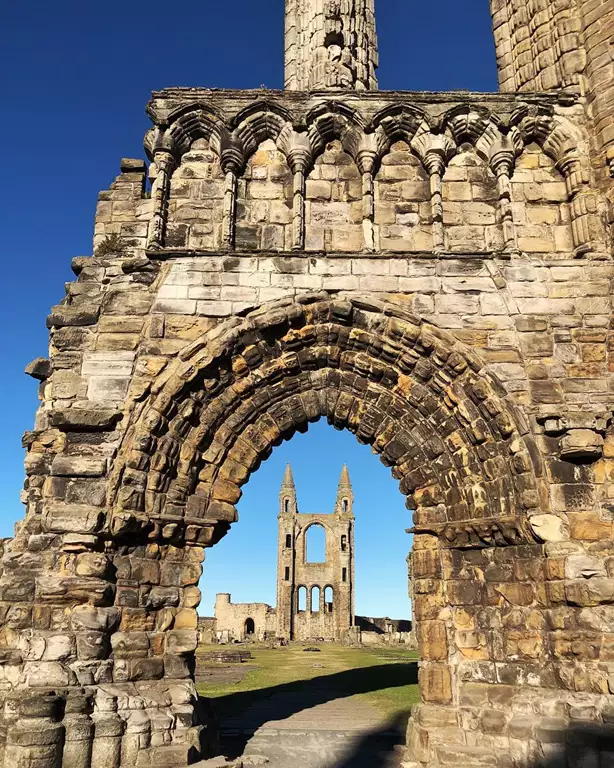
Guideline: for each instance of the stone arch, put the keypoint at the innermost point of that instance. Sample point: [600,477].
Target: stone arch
[462,453]
[264,204]
[190,123]
[196,197]
[249,627]
[423,402]
[401,206]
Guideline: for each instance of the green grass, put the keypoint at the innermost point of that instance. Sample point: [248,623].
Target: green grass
[382,677]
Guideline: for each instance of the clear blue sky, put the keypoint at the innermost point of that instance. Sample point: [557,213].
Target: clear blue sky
[75,80]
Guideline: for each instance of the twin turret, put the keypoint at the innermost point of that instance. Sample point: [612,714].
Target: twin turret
[344,503]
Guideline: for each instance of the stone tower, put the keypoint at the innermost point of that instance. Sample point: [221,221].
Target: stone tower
[330,44]
[433,273]
[327,587]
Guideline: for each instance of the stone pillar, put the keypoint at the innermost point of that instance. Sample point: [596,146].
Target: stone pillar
[502,164]
[79,731]
[160,191]
[435,151]
[108,730]
[299,159]
[35,740]
[232,164]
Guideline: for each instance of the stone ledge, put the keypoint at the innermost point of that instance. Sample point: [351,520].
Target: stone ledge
[183,253]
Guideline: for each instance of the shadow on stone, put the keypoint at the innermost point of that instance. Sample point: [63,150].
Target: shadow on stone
[377,749]
[240,715]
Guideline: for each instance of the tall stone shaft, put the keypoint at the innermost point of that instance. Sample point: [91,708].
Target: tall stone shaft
[330,44]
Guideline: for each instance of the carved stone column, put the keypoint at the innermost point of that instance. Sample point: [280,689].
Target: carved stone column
[366,159]
[502,161]
[586,227]
[435,152]
[160,192]
[232,164]
[299,158]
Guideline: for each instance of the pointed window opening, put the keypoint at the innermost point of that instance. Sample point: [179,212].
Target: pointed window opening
[287,505]
[345,505]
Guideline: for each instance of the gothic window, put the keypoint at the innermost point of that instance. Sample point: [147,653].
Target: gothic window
[288,539]
[344,543]
[301,600]
[286,505]
[250,627]
[315,599]
[328,599]
[345,505]
[315,544]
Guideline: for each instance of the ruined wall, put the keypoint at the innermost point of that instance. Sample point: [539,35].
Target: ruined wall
[231,618]
[315,600]
[450,305]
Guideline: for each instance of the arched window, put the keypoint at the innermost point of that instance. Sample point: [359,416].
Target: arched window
[315,599]
[328,599]
[301,599]
[250,627]
[288,540]
[344,543]
[345,505]
[315,544]
[286,505]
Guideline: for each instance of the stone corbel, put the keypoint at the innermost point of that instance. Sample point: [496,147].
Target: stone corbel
[583,207]
[164,165]
[232,164]
[299,158]
[502,161]
[435,151]
[366,159]
[581,435]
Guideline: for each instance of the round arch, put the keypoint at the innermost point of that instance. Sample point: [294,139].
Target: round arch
[456,443]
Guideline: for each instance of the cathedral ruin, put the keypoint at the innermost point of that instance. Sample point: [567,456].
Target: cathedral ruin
[432,272]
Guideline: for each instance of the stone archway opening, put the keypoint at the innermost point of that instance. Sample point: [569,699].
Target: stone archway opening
[250,627]
[461,453]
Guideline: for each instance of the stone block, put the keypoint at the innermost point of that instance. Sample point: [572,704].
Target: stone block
[73,518]
[78,466]
[435,683]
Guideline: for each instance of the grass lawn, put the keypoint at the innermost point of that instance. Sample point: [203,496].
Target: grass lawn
[383,677]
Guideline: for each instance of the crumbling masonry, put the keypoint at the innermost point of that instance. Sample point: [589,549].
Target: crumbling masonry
[430,271]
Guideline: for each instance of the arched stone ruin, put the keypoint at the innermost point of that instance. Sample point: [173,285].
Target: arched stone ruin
[431,272]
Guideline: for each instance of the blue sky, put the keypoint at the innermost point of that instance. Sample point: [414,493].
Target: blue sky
[75,80]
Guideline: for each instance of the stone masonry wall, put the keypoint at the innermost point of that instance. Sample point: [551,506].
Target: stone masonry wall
[432,273]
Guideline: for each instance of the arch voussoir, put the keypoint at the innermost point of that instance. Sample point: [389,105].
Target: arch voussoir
[414,394]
